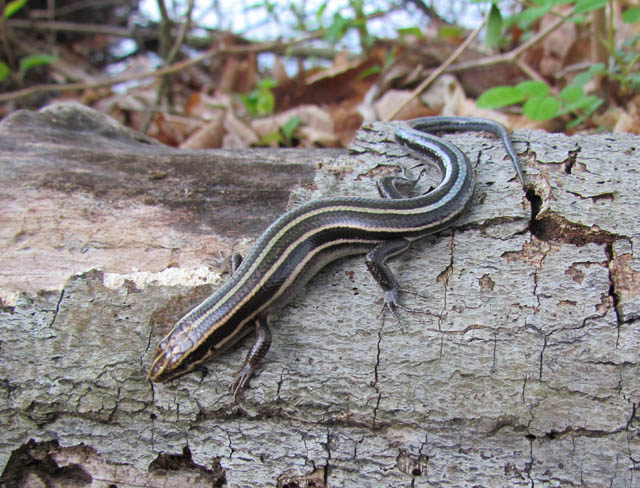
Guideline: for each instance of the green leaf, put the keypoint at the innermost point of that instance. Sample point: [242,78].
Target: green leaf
[634,79]
[411,31]
[253,6]
[321,9]
[578,19]
[583,6]
[557,3]
[596,68]
[631,15]
[582,104]
[571,93]
[269,139]
[499,96]
[592,103]
[533,88]
[550,3]
[12,7]
[575,122]
[541,108]
[372,70]
[249,102]
[358,22]
[494,27]
[267,84]
[390,56]
[265,103]
[530,15]
[583,108]
[450,32]
[4,71]
[34,60]
[337,28]
[320,13]
[290,126]
[270,6]
[261,100]
[582,78]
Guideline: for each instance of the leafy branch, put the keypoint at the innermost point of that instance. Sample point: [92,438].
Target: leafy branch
[538,101]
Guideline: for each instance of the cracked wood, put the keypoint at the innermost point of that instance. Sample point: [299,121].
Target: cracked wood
[523,371]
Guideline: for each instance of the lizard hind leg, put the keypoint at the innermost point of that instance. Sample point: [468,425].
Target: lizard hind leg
[376,263]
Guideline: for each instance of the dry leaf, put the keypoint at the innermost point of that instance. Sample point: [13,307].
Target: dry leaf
[444,96]
[392,99]
[617,119]
[315,128]
[238,134]
[335,85]
[208,136]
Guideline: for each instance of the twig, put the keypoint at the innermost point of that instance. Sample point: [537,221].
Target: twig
[3,37]
[164,29]
[196,42]
[51,6]
[508,57]
[164,89]
[71,8]
[528,70]
[420,88]
[62,65]
[172,69]
[580,66]
[276,46]
[43,25]
[428,11]
[182,34]
[511,56]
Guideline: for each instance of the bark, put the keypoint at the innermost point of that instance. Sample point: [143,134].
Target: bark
[522,371]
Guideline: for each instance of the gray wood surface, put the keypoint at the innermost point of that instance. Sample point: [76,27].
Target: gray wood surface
[523,371]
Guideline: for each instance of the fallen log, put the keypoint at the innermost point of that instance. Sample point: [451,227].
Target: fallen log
[523,371]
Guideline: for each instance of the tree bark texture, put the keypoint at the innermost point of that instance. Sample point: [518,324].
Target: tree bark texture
[522,370]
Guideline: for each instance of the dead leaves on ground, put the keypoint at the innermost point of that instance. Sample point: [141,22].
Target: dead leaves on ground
[324,106]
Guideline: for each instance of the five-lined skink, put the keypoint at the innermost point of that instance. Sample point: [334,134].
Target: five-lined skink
[298,244]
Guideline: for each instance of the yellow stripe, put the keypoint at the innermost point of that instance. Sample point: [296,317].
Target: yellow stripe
[314,213]
[290,279]
[185,333]
[284,256]
[281,234]
[287,252]
[285,286]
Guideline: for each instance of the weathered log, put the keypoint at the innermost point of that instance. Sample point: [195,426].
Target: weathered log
[522,372]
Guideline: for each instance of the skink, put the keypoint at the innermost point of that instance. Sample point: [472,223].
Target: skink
[299,243]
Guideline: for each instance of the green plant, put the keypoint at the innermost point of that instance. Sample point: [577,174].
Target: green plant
[261,100]
[284,136]
[27,62]
[13,7]
[341,24]
[538,103]
[624,69]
